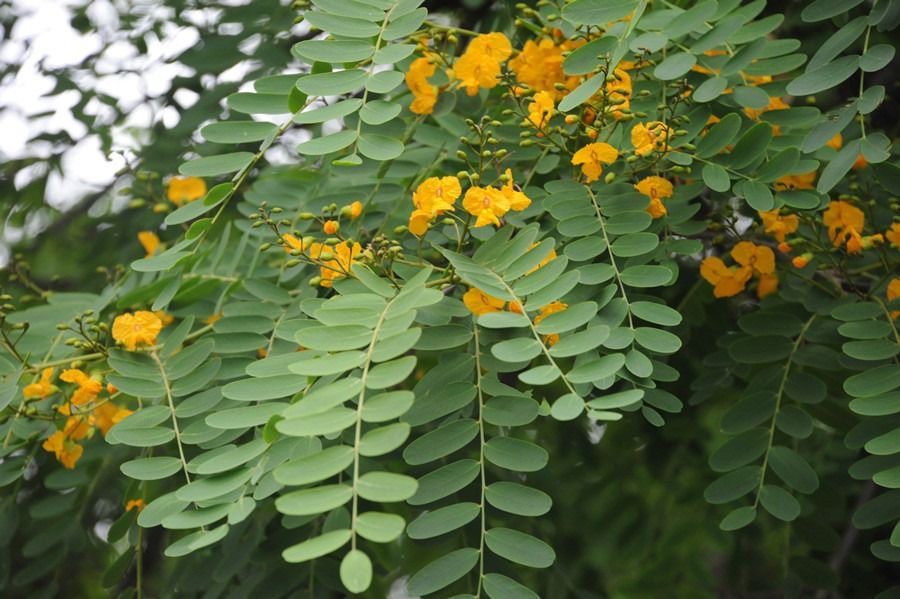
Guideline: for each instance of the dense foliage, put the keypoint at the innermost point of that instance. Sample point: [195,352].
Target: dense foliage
[577,299]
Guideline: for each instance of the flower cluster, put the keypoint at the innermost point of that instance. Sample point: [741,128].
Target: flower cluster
[134,330]
[751,260]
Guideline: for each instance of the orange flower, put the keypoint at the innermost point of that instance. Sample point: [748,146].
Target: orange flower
[893,292]
[539,66]
[551,308]
[356,209]
[346,254]
[779,226]
[760,258]
[330,227]
[893,235]
[433,197]
[540,109]
[804,181]
[478,302]
[140,328]
[518,201]
[486,203]
[67,451]
[801,261]
[88,388]
[768,284]
[185,189]
[860,163]
[43,388]
[835,142]
[149,241]
[592,157]
[843,219]
[657,189]
[135,504]
[775,103]
[424,93]
[647,138]
[726,281]
[479,66]
[108,414]
[164,317]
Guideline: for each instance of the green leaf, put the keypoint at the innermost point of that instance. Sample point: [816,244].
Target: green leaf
[328,144]
[779,503]
[255,103]
[214,486]
[385,439]
[341,25]
[738,518]
[324,423]
[235,132]
[710,89]
[326,113]
[719,136]
[194,541]
[837,169]
[839,41]
[378,112]
[645,276]
[332,83]
[758,195]
[151,468]
[675,66]
[316,500]
[733,485]
[597,370]
[445,481]
[793,469]
[443,571]
[657,313]
[740,450]
[716,177]
[760,350]
[515,454]
[875,381]
[440,442]
[751,146]
[597,12]
[316,546]
[333,51]
[213,166]
[498,586]
[356,571]
[379,147]
[264,388]
[387,406]
[519,547]
[584,60]
[634,244]
[243,418]
[824,77]
[380,527]
[518,499]
[314,467]
[386,486]
[388,374]
[442,520]
[820,10]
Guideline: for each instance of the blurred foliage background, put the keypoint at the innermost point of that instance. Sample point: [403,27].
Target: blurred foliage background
[630,519]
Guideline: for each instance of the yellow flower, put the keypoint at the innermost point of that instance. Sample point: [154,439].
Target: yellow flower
[149,241]
[135,504]
[67,452]
[330,227]
[804,181]
[592,157]
[768,284]
[726,281]
[539,66]
[186,189]
[657,189]
[487,203]
[856,243]
[345,254]
[544,262]
[842,219]
[43,388]
[164,317]
[433,197]
[108,414]
[893,235]
[518,201]
[88,388]
[291,243]
[835,142]
[424,93]
[356,209]
[540,109]
[647,138]
[760,258]
[479,66]
[775,103]
[140,328]
[478,302]
[551,308]
[893,292]
[779,226]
